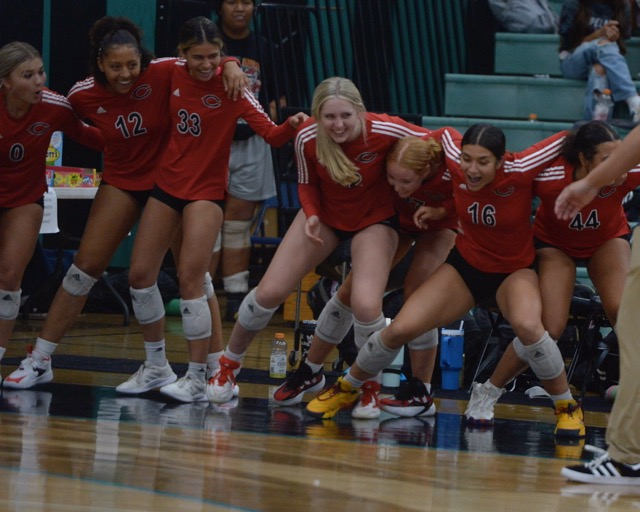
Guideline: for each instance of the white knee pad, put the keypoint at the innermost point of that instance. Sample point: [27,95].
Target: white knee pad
[208,286]
[235,234]
[77,282]
[543,356]
[362,331]
[251,315]
[334,321]
[375,356]
[147,304]
[196,318]
[237,283]
[9,304]
[425,341]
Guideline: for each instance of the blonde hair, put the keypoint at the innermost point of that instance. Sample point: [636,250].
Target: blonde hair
[13,54]
[330,154]
[416,154]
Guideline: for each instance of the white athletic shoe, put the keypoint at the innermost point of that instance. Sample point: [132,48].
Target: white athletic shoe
[147,377]
[221,386]
[368,406]
[186,389]
[212,372]
[30,373]
[480,408]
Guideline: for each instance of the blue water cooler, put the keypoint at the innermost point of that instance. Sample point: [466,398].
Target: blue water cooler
[451,357]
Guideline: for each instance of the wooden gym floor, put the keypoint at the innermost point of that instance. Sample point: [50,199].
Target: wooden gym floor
[76,445]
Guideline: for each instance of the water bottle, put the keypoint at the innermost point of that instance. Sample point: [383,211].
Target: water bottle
[278,359]
[603,106]
[452,356]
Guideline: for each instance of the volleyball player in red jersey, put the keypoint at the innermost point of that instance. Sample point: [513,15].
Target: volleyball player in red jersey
[344,194]
[127,99]
[417,172]
[597,236]
[29,114]
[189,194]
[491,263]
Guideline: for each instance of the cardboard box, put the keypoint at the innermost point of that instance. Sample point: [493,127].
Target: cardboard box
[74,177]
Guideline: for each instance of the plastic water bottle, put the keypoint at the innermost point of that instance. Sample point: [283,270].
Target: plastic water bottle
[603,106]
[452,356]
[278,359]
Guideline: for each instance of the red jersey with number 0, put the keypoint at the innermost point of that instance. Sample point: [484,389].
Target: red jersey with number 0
[203,123]
[495,232]
[601,220]
[24,144]
[136,126]
[370,199]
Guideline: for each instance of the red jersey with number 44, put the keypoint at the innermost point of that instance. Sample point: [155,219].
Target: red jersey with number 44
[601,220]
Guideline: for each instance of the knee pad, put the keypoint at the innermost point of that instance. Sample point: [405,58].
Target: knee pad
[543,357]
[375,356]
[9,304]
[363,331]
[235,234]
[334,321]
[251,315]
[208,286]
[217,247]
[77,283]
[147,304]
[425,341]
[196,318]
[237,283]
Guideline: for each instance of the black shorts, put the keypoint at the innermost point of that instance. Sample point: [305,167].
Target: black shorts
[139,196]
[482,285]
[175,202]
[391,222]
[579,262]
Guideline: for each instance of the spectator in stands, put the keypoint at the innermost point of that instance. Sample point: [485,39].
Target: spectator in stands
[251,173]
[417,171]
[127,99]
[620,463]
[592,48]
[29,114]
[344,194]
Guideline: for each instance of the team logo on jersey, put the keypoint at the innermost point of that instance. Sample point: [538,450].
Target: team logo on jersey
[414,202]
[366,158]
[606,191]
[211,101]
[141,92]
[38,128]
[505,192]
[176,92]
[101,110]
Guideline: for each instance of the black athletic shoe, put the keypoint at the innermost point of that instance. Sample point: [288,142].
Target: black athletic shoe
[603,470]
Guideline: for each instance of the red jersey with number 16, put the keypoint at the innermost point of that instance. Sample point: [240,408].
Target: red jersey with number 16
[24,144]
[495,233]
